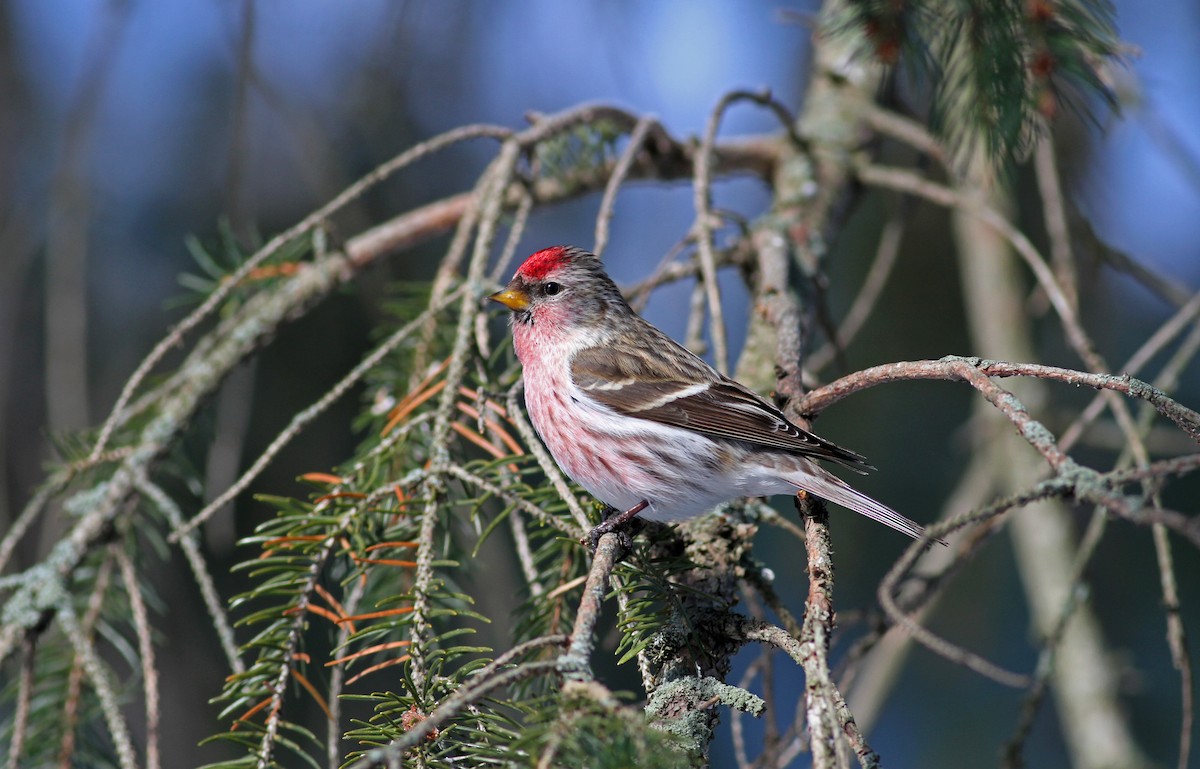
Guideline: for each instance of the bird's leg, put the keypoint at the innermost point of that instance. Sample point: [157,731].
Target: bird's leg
[616,523]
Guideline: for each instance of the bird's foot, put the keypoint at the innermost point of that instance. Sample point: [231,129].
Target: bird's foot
[621,524]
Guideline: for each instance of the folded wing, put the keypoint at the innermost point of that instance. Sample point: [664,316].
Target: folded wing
[684,391]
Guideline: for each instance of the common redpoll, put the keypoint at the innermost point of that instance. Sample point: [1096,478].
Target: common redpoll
[640,422]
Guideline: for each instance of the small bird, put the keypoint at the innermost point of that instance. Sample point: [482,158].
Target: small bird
[641,423]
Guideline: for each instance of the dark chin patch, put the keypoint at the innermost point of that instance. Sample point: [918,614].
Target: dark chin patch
[524,317]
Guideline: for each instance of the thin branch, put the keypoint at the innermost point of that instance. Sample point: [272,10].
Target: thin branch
[520,220]
[867,757]
[575,664]
[1176,642]
[1044,669]
[118,730]
[1054,211]
[670,271]
[20,722]
[71,701]
[868,679]
[390,756]
[818,624]
[637,138]
[525,558]
[906,130]
[693,337]
[337,678]
[872,287]
[306,416]
[886,593]
[1165,287]
[309,223]
[952,368]
[144,631]
[906,181]
[31,512]
[291,644]
[510,498]
[702,199]
[1175,325]
[213,602]
[523,207]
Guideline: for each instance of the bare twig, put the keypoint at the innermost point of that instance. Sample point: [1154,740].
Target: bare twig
[951,368]
[20,722]
[290,647]
[29,514]
[575,664]
[118,729]
[1185,316]
[620,171]
[511,499]
[306,416]
[1177,642]
[818,622]
[309,223]
[191,551]
[337,679]
[887,591]
[70,717]
[868,294]
[905,129]
[144,631]
[487,680]
[1055,212]
[1036,695]
[702,197]
[906,181]
[516,524]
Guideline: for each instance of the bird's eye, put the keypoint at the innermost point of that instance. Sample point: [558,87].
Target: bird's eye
[551,288]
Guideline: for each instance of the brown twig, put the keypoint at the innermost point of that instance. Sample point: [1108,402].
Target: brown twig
[20,722]
[575,664]
[449,708]
[1054,212]
[309,223]
[821,713]
[868,295]
[1177,642]
[953,368]
[620,173]
[71,702]
[144,631]
[702,200]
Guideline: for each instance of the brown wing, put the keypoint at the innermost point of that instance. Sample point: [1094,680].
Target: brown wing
[681,390]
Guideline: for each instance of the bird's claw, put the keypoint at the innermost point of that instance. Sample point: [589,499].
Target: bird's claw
[623,524]
[624,541]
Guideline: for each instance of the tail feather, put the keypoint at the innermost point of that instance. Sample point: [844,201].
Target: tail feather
[828,486]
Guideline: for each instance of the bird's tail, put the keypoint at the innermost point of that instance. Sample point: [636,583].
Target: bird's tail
[817,480]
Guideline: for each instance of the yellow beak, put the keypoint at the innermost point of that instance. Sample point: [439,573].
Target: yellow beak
[513,298]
